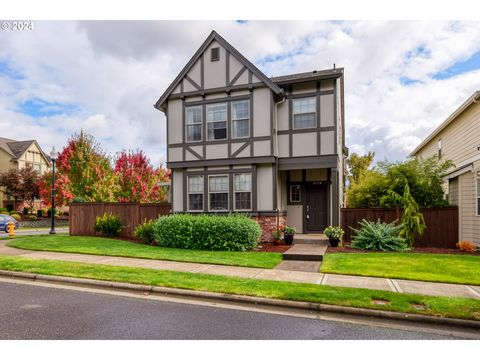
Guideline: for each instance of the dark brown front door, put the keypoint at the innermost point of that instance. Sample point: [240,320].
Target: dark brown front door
[316,207]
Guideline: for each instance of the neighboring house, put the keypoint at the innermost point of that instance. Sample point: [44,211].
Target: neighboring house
[17,154]
[239,141]
[458,139]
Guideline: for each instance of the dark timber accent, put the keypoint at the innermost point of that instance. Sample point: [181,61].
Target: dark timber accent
[335,200]
[254,186]
[191,81]
[236,77]
[307,162]
[241,148]
[227,67]
[194,153]
[219,142]
[224,162]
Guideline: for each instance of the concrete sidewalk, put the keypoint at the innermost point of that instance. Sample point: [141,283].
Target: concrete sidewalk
[403,286]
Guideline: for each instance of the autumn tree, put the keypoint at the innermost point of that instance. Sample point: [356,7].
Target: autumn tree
[21,184]
[138,179]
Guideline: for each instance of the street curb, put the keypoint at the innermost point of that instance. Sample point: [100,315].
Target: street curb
[390,315]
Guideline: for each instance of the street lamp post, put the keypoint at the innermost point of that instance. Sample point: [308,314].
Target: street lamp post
[53,157]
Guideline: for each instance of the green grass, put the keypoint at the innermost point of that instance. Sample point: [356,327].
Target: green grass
[361,298]
[458,269]
[112,247]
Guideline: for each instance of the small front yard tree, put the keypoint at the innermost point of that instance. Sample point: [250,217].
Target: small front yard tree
[21,184]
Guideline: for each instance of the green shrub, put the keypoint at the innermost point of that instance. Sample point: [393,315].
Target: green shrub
[378,236]
[49,212]
[32,217]
[78,199]
[25,210]
[146,232]
[9,207]
[207,232]
[40,213]
[16,216]
[108,225]
[3,210]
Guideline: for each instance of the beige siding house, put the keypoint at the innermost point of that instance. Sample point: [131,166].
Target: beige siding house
[239,141]
[17,154]
[458,139]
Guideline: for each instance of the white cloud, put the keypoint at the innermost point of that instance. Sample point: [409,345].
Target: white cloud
[115,71]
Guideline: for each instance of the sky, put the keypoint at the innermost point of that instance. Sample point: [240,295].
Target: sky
[402,78]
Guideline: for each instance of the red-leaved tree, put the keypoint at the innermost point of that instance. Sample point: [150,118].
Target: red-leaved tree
[138,179]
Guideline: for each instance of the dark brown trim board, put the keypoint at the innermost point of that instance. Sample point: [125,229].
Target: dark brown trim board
[221,162]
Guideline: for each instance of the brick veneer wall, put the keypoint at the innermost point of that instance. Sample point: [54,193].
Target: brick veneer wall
[268,225]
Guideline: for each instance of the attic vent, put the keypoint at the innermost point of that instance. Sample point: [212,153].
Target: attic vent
[215,54]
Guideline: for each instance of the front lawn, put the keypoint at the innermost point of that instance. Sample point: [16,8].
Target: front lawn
[112,247]
[458,269]
[361,298]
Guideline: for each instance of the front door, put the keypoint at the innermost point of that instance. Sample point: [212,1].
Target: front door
[316,207]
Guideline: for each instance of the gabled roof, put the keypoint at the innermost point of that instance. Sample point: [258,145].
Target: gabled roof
[475,98]
[214,36]
[17,148]
[308,76]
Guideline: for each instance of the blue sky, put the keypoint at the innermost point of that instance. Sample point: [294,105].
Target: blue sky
[402,78]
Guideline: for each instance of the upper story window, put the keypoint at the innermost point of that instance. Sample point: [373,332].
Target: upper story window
[240,119]
[243,191]
[218,192]
[304,112]
[195,193]
[439,143]
[194,123]
[217,121]
[215,54]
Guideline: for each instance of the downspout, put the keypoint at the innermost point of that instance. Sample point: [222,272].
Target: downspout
[277,210]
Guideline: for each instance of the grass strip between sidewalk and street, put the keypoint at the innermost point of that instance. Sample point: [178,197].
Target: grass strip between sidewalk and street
[112,247]
[462,308]
[457,269]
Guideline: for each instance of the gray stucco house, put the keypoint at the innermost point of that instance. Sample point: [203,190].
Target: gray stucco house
[239,141]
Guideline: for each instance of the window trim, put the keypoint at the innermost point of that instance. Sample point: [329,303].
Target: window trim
[218,192]
[187,124]
[439,146]
[290,194]
[217,49]
[477,204]
[232,120]
[303,113]
[235,191]
[200,192]
[216,121]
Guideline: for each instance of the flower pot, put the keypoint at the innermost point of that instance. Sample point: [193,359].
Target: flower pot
[288,238]
[333,241]
[277,242]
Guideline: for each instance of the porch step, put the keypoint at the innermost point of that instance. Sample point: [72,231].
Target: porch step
[311,241]
[305,252]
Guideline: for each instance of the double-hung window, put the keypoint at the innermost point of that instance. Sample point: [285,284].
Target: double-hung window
[217,121]
[240,119]
[243,191]
[195,193]
[218,192]
[295,194]
[478,197]
[304,113]
[194,123]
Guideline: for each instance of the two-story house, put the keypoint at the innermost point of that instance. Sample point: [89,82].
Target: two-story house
[17,154]
[239,141]
[458,139]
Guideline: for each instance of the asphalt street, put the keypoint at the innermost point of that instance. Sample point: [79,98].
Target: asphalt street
[37,312]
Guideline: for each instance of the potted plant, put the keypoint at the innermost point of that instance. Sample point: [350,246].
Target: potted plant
[288,234]
[277,236]
[335,235]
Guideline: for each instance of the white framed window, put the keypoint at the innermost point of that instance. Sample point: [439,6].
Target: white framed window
[218,192]
[243,191]
[439,144]
[195,192]
[304,113]
[240,119]
[217,121]
[194,123]
[478,197]
[295,194]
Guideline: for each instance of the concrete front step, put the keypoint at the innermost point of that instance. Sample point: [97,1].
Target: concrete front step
[311,241]
[305,252]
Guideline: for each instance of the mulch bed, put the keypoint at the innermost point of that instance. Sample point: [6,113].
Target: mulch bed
[347,249]
[272,248]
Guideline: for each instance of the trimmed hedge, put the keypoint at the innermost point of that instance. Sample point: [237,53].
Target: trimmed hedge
[233,232]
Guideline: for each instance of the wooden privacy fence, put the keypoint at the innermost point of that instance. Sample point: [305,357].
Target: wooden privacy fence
[82,215]
[441,231]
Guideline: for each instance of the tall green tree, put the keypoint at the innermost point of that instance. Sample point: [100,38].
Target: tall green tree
[358,166]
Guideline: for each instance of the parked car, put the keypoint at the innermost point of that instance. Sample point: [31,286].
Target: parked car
[5,219]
